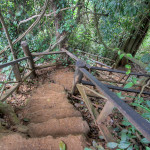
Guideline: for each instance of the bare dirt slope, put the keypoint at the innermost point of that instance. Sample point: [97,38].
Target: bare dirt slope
[52,119]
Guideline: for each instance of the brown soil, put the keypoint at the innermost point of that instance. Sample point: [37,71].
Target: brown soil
[17,142]
[49,114]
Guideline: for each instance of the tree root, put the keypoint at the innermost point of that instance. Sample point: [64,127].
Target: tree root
[7,110]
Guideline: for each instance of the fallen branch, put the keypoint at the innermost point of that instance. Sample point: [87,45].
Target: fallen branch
[46,15]
[51,48]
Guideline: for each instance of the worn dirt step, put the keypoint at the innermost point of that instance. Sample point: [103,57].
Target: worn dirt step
[49,94]
[16,142]
[59,127]
[64,78]
[48,100]
[43,106]
[44,115]
[51,86]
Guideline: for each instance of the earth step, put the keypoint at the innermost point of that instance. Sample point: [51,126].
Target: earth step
[36,107]
[16,142]
[47,100]
[57,127]
[52,86]
[48,94]
[44,115]
[64,78]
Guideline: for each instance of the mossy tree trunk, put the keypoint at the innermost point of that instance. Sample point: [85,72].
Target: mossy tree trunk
[7,110]
[132,44]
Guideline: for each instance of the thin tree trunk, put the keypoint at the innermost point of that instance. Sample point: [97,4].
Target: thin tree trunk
[16,67]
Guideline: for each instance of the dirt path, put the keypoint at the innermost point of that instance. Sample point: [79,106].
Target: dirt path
[52,119]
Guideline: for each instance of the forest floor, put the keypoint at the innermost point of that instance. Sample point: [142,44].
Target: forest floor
[64,76]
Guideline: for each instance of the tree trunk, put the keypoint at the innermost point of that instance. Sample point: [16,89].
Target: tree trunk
[7,110]
[132,44]
[57,19]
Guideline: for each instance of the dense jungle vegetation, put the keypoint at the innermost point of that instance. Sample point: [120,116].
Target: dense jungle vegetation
[92,26]
[108,28]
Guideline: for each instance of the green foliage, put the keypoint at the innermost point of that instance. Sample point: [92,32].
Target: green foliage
[62,146]
[115,27]
[112,145]
[129,85]
[126,135]
[146,58]
[86,148]
[129,55]
[144,49]
[119,94]
[130,131]
[121,56]
[95,146]
[148,68]
[123,16]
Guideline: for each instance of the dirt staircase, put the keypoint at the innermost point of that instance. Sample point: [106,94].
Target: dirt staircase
[52,120]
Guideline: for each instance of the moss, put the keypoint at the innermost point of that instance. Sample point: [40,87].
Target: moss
[7,110]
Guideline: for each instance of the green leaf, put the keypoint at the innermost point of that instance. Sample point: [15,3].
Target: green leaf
[119,52]
[121,56]
[147,148]
[26,119]
[101,137]
[112,145]
[146,115]
[86,148]
[145,141]
[123,145]
[128,66]
[146,58]
[130,148]
[5,81]
[128,72]
[134,80]
[123,136]
[120,95]
[148,68]
[62,146]
[148,103]
[126,123]
[129,55]
[129,85]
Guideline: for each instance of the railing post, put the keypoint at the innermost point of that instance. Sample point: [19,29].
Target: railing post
[67,59]
[78,75]
[27,52]
[17,72]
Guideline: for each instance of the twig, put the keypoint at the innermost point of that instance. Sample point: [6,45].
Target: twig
[52,47]
[80,99]
[46,15]
[148,82]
